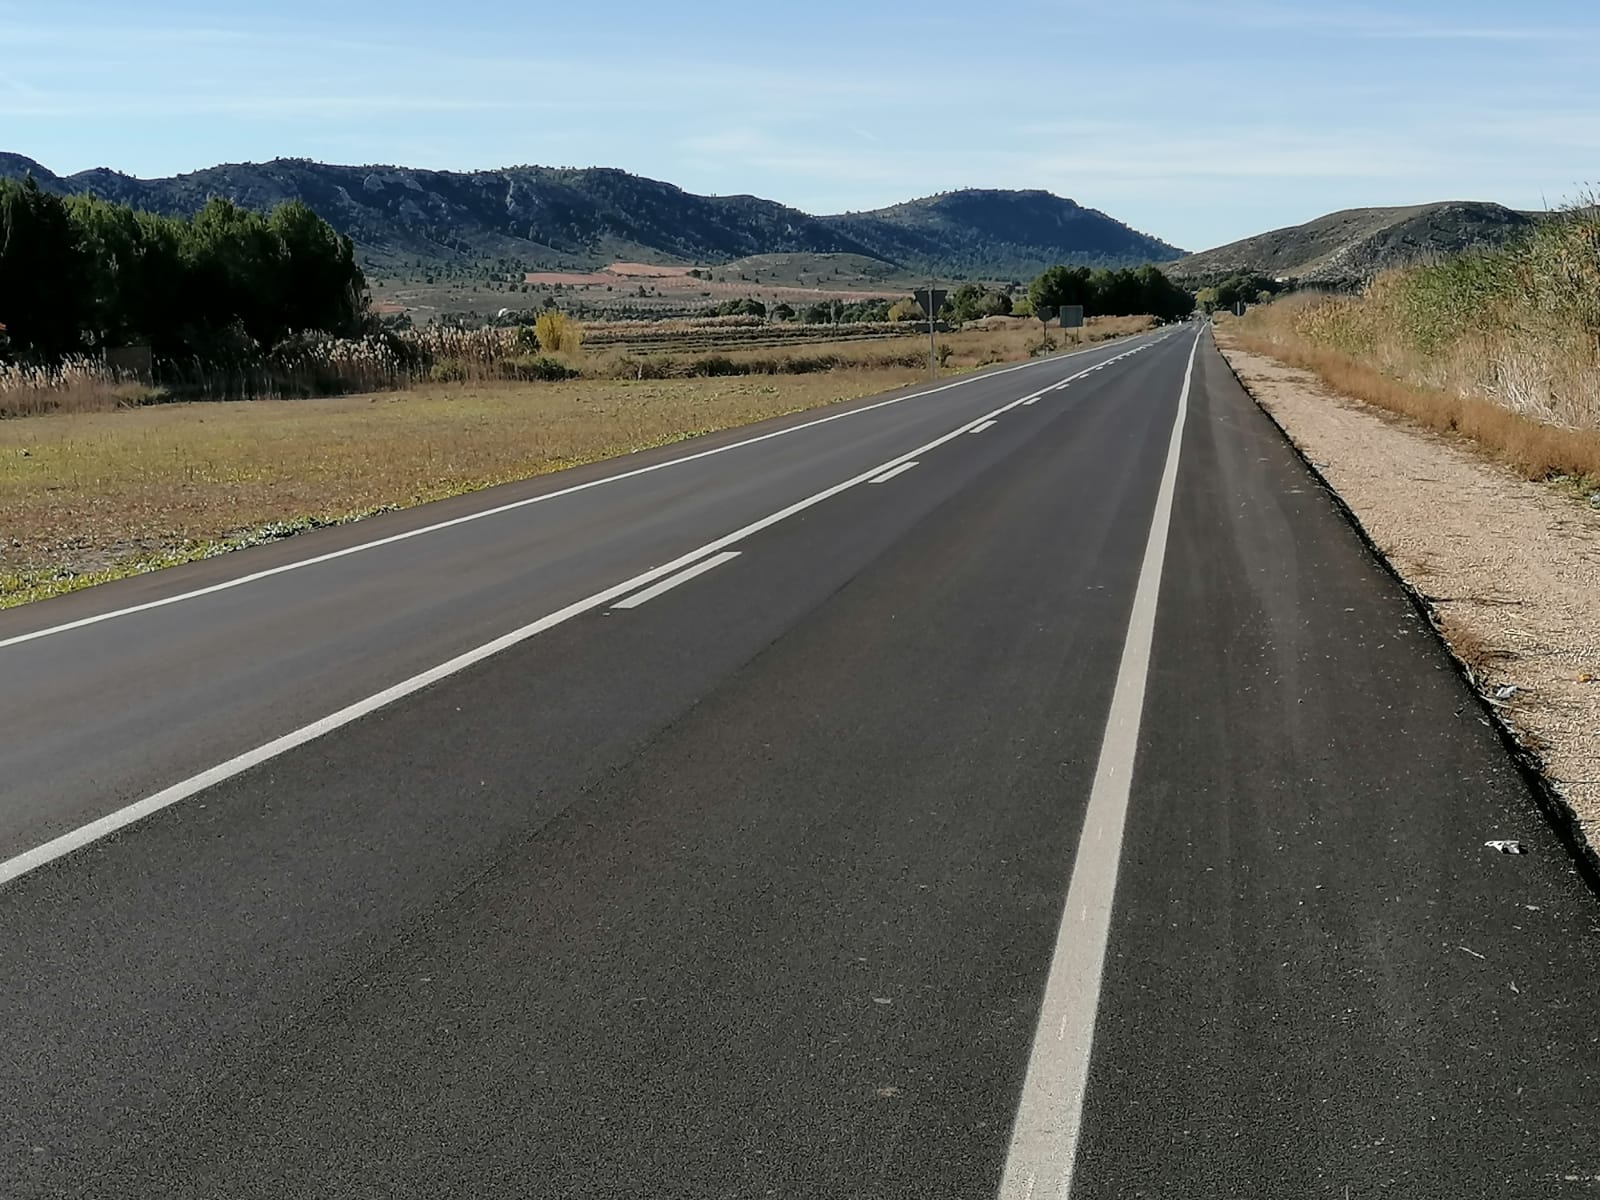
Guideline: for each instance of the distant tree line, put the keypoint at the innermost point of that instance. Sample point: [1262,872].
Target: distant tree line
[1102,293]
[737,308]
[1128,292]
[969,302]
[79,275]
[1243,285]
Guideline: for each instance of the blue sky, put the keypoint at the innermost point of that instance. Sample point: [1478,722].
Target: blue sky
[1198,122]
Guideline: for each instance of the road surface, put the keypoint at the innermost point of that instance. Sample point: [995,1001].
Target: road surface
[1024,787]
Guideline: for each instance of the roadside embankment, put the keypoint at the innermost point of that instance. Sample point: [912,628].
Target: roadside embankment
[1509,565]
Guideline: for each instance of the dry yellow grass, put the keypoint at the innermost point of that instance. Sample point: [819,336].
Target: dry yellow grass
[77,385]
[1536,449]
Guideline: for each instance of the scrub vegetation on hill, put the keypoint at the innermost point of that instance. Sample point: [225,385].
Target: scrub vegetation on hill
[415,223]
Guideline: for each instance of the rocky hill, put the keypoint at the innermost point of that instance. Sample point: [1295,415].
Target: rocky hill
[1345,249]
[402,218]
[998,233]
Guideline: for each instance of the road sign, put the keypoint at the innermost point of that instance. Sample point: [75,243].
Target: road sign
[1071,316]
[932,300]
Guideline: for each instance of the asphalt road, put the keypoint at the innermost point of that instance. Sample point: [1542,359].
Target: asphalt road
[1078,811]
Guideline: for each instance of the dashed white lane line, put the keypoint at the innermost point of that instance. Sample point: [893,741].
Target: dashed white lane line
[672,581]
[121,818]
[1044,1138]
[985,425]
[256,576]
[888,475]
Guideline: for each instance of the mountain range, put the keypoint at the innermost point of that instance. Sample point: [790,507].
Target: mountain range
[548,217]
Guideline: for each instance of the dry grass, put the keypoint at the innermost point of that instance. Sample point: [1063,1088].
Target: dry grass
[1534,448]
[77,385]
[1501,348]
[1468,643]
[94,496]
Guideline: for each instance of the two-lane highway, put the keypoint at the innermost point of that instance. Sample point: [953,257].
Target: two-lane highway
[1029,783]
[132,687]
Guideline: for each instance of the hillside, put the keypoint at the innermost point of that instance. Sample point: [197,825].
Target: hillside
[998,233]
[405,220]
[1345,249]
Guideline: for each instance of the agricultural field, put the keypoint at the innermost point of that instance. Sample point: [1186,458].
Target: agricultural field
[644,288]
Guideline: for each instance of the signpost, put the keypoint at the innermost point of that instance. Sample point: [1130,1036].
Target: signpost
[932,300]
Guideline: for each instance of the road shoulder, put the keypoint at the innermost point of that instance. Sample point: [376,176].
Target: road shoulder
[1509,569]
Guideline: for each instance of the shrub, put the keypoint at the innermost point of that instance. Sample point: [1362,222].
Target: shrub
[806,364]
[556,333]
[540,367]
[717,364]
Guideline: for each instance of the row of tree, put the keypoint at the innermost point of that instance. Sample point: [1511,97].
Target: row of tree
[79,275]
[1102,293]
[1128,292]
[1246,286]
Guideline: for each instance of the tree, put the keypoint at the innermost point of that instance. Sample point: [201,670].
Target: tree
[970,302]
[556,333]
[739,308]
[240,265]
[1126,292]
[905,310]
[46,302]
[323,288]
[782,312]
[1058,286]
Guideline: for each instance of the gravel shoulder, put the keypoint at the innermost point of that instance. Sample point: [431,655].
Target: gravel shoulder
[1511,568]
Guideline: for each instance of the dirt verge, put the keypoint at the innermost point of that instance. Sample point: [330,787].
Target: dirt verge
[1510,568]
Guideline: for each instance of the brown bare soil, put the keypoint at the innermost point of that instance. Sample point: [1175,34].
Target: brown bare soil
[648,270]
[1510,566]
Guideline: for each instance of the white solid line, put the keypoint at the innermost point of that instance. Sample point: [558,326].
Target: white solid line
[256,576]
[1044,1139]
[84,835]
[888,475]
[672,581]
[985,425]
